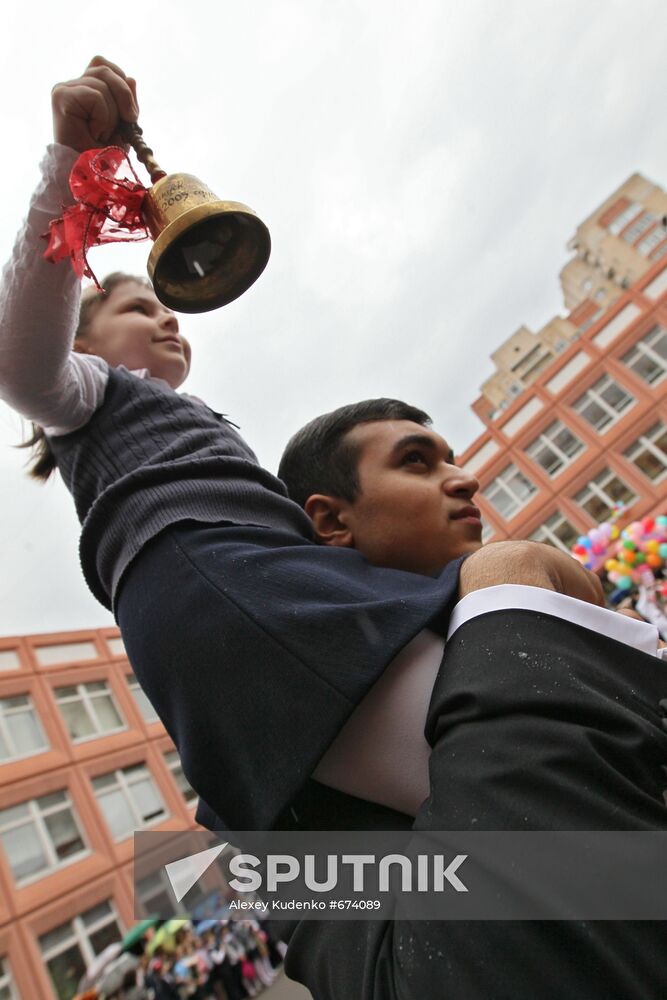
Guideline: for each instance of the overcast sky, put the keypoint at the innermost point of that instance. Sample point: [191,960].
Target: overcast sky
[421,166]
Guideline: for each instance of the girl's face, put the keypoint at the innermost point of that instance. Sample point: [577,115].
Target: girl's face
[132,328]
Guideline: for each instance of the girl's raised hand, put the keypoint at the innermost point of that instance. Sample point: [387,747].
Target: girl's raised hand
[86,111]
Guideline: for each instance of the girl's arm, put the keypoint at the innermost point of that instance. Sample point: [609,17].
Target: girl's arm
[39,308]
[39,301]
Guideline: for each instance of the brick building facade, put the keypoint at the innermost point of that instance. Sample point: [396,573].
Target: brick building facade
[585,431]
[83,763]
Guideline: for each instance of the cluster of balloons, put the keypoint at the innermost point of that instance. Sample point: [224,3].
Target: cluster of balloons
[632,557]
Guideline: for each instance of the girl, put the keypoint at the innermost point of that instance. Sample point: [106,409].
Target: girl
[225,602]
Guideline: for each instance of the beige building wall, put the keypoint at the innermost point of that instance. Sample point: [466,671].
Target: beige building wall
[589,432]
[522,357]
[616,244]
[614,247]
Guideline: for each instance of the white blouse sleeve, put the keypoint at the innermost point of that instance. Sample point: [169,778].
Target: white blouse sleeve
[40,377]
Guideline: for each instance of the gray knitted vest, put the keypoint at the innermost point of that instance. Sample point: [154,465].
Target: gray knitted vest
[150,457]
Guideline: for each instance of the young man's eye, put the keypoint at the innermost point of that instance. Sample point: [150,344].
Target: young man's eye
[138,307]
[413,457]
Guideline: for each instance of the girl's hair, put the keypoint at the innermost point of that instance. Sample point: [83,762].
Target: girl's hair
[41,462]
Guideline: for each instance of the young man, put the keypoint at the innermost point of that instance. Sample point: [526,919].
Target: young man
[543,716]
[277,639]
[374,476]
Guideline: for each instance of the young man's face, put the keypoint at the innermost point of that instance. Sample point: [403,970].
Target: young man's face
[414,510]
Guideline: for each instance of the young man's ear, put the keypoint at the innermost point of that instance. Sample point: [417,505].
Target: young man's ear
[329,521]
[81,347]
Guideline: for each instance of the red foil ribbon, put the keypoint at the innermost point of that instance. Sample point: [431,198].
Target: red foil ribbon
[107,209]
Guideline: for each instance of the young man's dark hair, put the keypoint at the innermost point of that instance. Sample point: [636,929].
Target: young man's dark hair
[320,458]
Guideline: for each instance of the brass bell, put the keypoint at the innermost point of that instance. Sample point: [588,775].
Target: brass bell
[206,252]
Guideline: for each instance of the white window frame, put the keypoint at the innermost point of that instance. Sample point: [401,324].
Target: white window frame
[6,978]
[87,699]
[645,347]
[500,483]
[645,443]
[594,394]
[80,934]
[547,529]
[545,440]
[598,490]
[124,784]
[36,816]
[5,731]
[148,713]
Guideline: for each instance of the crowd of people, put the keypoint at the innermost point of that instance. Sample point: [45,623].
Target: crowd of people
[213,960]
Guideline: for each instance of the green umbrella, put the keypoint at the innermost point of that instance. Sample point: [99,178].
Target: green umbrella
[164,936]
[137,932]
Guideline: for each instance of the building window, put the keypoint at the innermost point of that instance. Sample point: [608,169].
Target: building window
[599,497]
[649,452]
[69,949]
[542,362]
[176,768]
[40,836]
[89,710]
[129,800]
[659,252]
[652,239]
[9,659]
[155,895]
[68,652]
[648,357]
[21,733]
[555,448]
[638,227]
[557,531]
[488,531]
[603,403]
[115,644]
[147,711]
[7,988]
[626,216]
[509,492]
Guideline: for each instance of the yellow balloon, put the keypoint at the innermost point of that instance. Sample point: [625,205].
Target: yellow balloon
[611,565]
[652,545]
[615,532]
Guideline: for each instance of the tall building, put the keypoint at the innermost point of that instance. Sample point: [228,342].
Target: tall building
[575,415]
[617,244]
[84,762]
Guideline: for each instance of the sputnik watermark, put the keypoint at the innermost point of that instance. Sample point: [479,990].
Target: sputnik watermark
[451,875]
[425,873]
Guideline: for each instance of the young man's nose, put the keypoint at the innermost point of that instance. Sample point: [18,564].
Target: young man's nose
[458,482]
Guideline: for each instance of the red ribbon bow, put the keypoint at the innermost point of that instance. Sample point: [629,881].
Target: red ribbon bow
[107,209]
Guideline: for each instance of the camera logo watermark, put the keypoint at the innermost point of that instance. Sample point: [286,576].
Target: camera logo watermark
[187,871]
